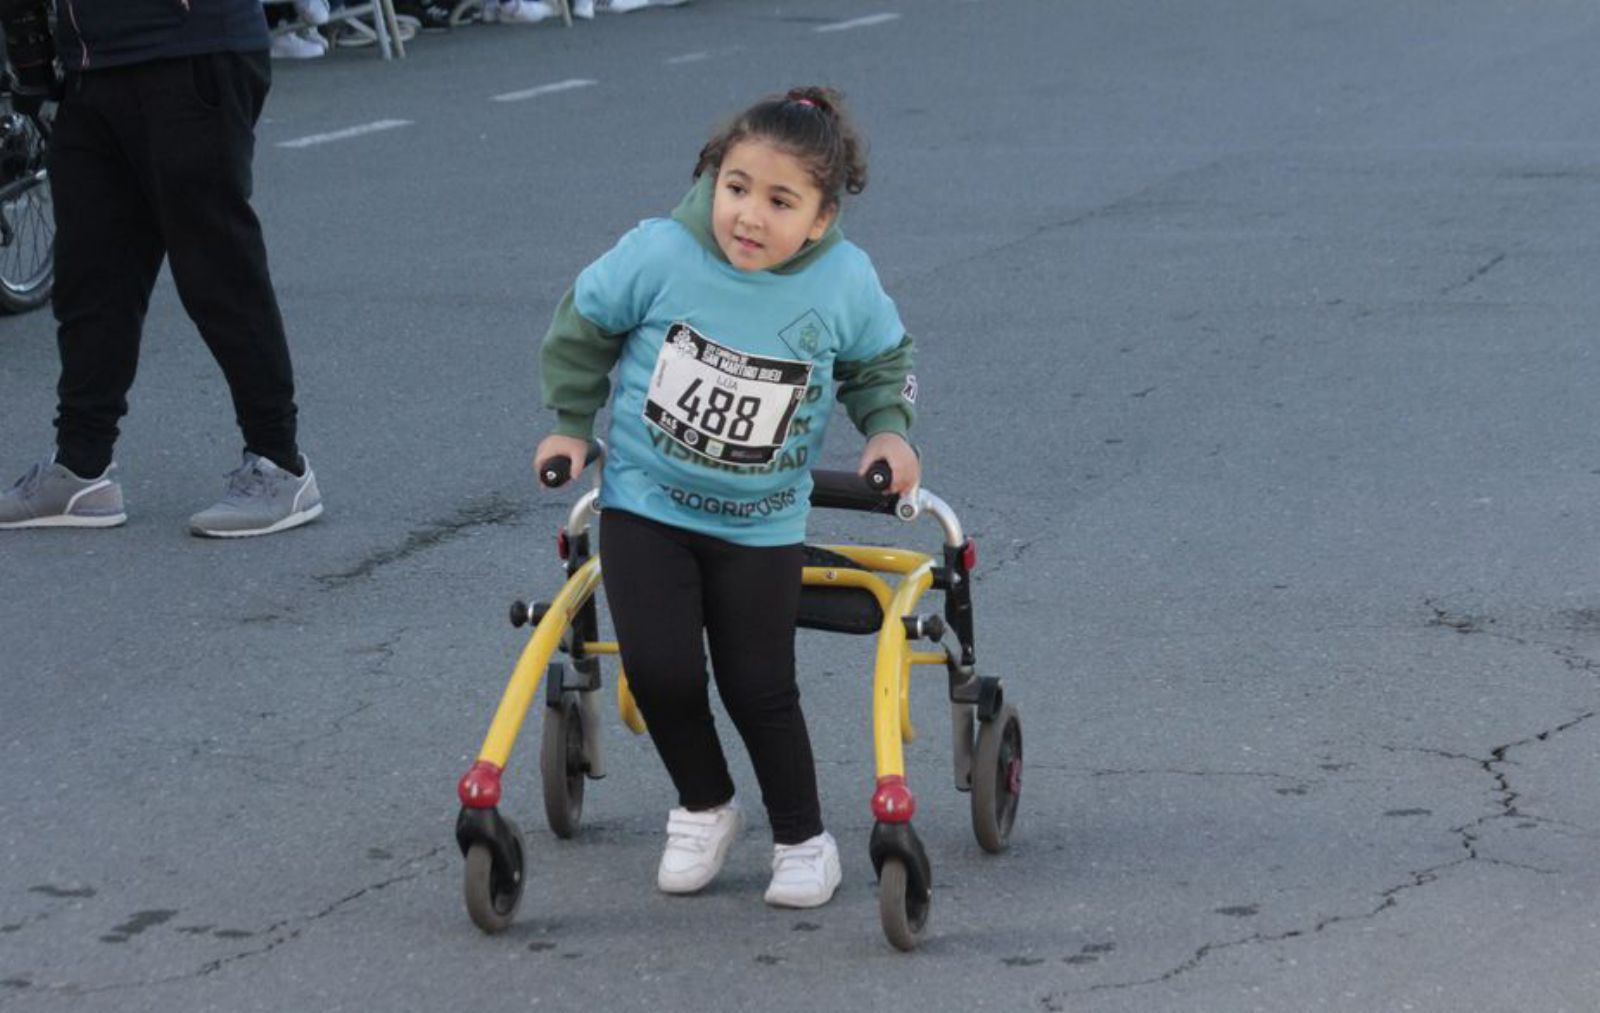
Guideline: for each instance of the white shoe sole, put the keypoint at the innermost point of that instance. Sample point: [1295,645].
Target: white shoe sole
[291,521]
[807,902]
[67,521]
[799,904]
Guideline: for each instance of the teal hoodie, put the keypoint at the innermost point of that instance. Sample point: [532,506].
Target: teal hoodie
[821,315]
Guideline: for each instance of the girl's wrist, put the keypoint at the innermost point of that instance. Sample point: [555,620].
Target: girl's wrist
[579,427]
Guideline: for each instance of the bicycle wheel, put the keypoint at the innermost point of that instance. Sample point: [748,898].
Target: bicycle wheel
[27,216]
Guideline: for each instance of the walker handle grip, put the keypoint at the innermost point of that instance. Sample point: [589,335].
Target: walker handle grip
[880,476]
[845,490]
[555,472]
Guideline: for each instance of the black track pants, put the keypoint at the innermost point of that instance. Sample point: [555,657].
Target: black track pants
[150,162]
[671,592]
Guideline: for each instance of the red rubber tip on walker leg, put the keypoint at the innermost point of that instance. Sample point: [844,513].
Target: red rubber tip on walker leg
[479,787]
[893,801]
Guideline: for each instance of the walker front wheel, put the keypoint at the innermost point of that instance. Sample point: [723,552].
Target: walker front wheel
[997,779]
[493,892]
[903,915]
[561,765]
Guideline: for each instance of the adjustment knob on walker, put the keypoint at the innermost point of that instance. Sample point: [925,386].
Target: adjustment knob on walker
[929,626]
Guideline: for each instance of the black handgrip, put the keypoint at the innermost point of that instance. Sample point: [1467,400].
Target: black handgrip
[845,490]
[555,472]
[880,476]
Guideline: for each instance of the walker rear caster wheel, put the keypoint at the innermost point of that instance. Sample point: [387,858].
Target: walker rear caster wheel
[997,779]
[493,891]
[561,765]
[904,916]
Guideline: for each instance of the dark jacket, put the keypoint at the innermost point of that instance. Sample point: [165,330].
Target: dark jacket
[92,34]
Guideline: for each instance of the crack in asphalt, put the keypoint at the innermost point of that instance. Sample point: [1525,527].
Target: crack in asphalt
[1016,552]
[336,726]
[281,933]
[1388,899]
[1506,797]
[1482,270]
[489,510]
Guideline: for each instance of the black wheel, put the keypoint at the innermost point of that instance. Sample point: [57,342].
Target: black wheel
[903,916]
[492,892]
[997,779]
[561,766]
[27,216]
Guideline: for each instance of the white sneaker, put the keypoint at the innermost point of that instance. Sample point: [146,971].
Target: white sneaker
[624,6]
[312,12]
[314,37]
[804,874]
[290,46]
[697,844]
[583,9]
[518,12]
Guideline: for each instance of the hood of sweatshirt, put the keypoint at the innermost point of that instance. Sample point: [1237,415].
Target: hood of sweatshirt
[694,214]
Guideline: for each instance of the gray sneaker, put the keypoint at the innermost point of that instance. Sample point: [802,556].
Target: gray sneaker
[262,498]
[50,496]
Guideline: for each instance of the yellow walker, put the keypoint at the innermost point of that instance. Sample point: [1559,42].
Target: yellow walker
[846,590]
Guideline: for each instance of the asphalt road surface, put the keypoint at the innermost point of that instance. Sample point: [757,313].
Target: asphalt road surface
[1257,351]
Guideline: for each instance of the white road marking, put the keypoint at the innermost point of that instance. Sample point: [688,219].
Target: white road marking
[544,89]
[844,26]
[346,134]
[690,58]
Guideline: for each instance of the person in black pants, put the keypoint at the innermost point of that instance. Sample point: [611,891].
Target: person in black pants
[150,159]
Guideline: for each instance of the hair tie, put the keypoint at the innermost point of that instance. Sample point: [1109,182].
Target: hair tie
[807,102]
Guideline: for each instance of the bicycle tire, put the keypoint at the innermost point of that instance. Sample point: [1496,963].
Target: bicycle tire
[27,226]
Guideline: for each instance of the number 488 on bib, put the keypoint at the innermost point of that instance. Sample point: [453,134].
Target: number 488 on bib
[721,403]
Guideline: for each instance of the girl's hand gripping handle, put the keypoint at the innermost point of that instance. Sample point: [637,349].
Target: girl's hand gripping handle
[556,456]
[890,465]
[902,471]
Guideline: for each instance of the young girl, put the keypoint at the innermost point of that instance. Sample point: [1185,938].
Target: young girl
[733,320]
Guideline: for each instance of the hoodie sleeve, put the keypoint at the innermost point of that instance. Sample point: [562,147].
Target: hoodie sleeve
[876,383]
[880,394]
[610,298]
[575,363]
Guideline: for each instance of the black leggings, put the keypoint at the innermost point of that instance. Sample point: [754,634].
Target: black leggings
[670,591]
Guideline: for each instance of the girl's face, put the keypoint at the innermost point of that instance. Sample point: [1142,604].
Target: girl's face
[766,206]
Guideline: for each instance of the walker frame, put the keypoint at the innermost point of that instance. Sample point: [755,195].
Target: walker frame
[846,588]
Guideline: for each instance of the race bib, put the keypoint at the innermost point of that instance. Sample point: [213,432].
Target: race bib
[721,403]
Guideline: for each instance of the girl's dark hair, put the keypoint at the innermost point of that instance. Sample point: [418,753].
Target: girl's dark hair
[809,123]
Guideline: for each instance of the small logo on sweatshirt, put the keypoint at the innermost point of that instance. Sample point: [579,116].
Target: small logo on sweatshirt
[909,391]
[806,336]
